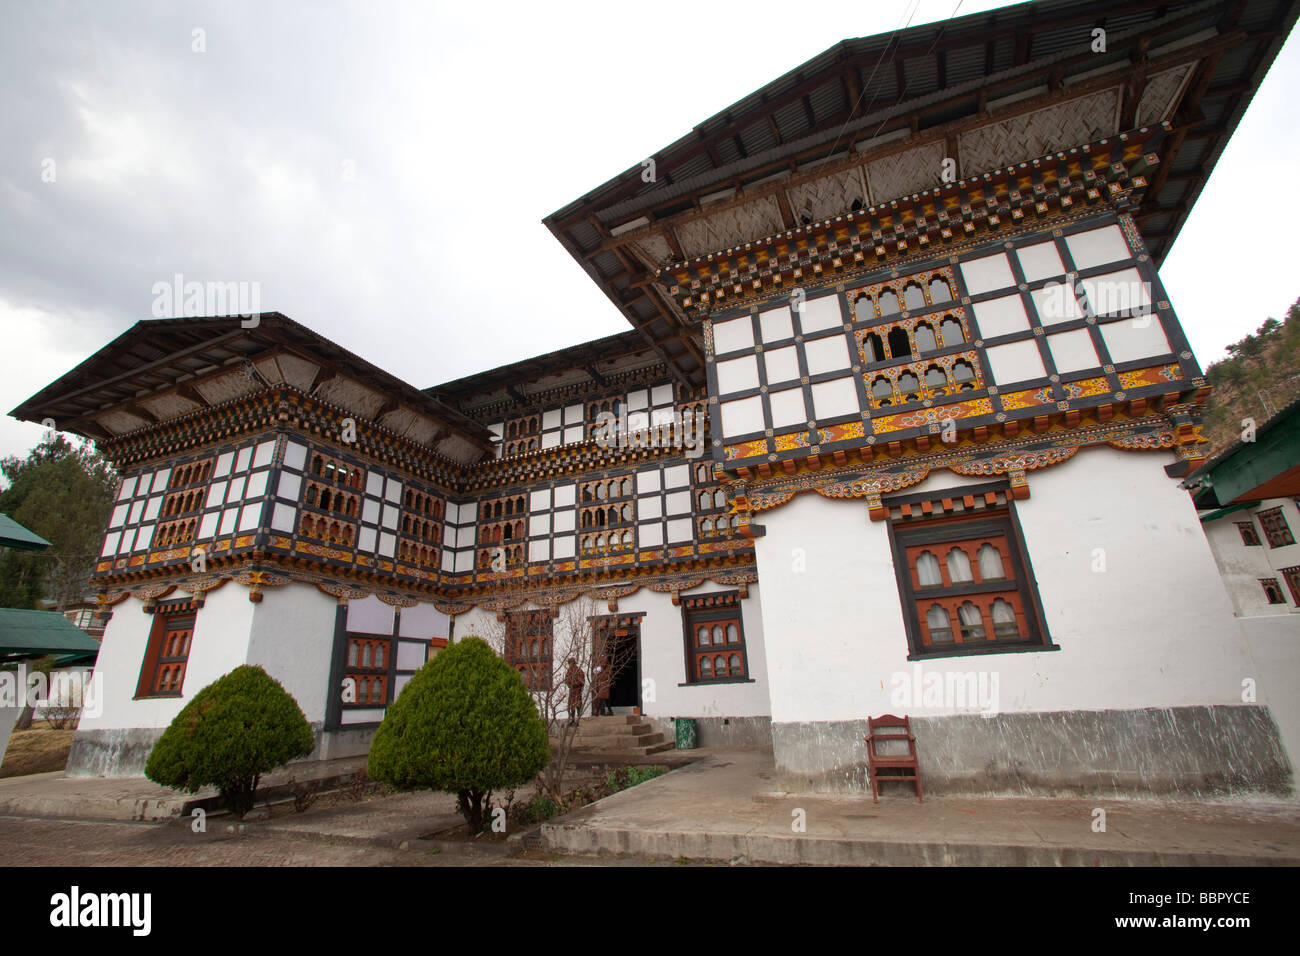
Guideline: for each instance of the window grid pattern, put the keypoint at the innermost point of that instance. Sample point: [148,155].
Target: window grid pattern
[1276,530]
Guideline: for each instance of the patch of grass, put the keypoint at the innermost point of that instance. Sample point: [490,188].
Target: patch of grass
[625,777]
[39,750]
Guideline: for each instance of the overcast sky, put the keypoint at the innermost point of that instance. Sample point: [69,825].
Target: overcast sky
[381,169]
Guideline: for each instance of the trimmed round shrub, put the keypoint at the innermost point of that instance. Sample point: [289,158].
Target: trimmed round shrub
[237,728]
[465,724]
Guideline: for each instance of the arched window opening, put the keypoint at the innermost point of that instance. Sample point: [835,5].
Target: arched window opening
[963,375]
[899,346]
[913,297]
[874,348]
[951,331]
[909,386]
[939,624]
[882,391]
[939,291]
[936,381]
[925,340]
[989,559]
[864,308]
[959,567]
[1004,619]
[888,302]
[927,570]
[972,624]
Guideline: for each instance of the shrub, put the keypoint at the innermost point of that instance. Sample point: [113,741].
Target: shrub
[541,809]
[625,777]
[465,724]
[237,728]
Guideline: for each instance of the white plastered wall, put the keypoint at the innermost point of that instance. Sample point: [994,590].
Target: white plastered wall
[293,641]
[1155,628]
[219,645]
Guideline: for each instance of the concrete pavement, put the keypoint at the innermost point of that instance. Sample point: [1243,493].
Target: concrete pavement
[725,807]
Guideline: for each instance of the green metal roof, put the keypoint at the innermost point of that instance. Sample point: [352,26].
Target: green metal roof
[14,535]
[1254,470]
[41,632]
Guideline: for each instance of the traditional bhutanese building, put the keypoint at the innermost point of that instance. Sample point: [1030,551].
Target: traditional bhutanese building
[903,419]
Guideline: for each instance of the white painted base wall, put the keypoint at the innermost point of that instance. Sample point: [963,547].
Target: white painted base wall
[1155,628]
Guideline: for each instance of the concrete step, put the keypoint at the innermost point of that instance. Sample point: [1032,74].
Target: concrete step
[616,741]
[604,730]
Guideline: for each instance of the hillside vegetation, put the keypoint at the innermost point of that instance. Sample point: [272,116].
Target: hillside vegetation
[1260,376]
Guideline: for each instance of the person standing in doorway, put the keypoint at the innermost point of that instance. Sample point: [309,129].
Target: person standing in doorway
[575,681]
[602,687]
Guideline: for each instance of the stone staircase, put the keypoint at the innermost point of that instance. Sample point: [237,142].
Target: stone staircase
[622,735]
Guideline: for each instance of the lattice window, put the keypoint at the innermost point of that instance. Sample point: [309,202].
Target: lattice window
[367,670]
[529,638]
[965,585]
[715,638]
[168,652]
[1292,578]
[1272,590]
[1249,536]
[1275,528]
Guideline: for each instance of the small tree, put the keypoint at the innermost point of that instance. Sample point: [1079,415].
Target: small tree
[575,637]
[239,727]
[465,724]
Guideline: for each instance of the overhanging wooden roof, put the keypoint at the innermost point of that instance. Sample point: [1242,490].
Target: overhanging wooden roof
[165,368]
[1268,466]
[14,535]
[30,633]
[870,120]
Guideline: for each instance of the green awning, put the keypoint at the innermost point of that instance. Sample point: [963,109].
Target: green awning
[14,535]
[41,632]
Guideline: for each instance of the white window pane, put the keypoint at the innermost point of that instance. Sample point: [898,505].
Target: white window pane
[262,454]
[295,455]
[987,274]
[638,399]
[540,500]
[229,517]
[737,374]
[243,458]
[539,550]
[128,538]
[679,529]
[249,516]
[465,536]
[216,493]
[678,503]
[788,407]
[1055,302]
[826,355]
[649,507]
[573,415]
[393,490]
[282,517]
[834,398]
[449,561]
[370,511]
[468,512]
[563,547]
[1098,247]
[573,435]
[782,365]
[375,484]
[564,520]
[742,416]
[539,525]
[387,544]
[551,418]
[151,510]
[647,481]
[144,537]
[110,543]
[390,517]
[208,525]
[464,561]
[236,491]
[160,479]
[1123,292]
[1136,338]
[661,395]
[1073,351]
[774,324]
[819,314]
[127,489]
[256,486]
[1015,362]
[1040,261]
[289,486]
[650,535]
[677,476]
[119,515]
[733,334]
[367,538]
[224,461]
[551,440]
[565,496]
[1001,316]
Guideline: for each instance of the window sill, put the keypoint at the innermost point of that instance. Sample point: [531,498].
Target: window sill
[974,650]
[158,696]
[717,680]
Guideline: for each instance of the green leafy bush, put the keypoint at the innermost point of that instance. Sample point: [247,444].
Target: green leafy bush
[465,724]
[237,728]
[625,777]
[541,809]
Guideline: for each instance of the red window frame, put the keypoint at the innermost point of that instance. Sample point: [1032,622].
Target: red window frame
[1276,530]
[530,637]
[1249,536]
[370,678]
[167,654]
